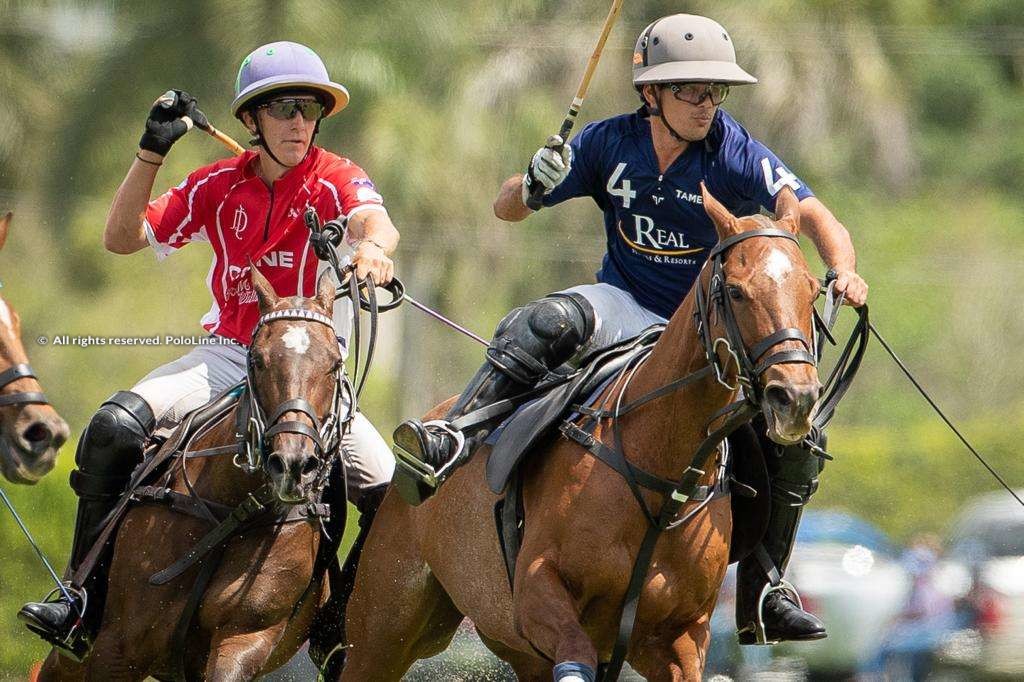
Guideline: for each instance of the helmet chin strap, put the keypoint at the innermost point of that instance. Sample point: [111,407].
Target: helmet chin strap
[261,141]
[657,110]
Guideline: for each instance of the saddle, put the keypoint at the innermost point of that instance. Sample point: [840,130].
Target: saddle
[746,476]
[539,418]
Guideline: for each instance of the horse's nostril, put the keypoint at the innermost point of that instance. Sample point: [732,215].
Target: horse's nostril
[310,465]
[275,465]
[37,432]
[779,396]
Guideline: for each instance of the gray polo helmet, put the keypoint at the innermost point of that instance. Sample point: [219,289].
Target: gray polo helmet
[686,48]
[285,65]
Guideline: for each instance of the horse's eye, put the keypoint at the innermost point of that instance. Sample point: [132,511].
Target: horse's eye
[735,293]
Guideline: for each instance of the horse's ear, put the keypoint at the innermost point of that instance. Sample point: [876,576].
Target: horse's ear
[264,289]
[725,222]
[5,223]
[325,292]
[787,210]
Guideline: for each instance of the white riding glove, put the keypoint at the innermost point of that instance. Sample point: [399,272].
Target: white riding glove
[549,166]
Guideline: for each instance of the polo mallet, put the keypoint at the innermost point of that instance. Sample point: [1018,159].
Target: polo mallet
[557,142]
[233,147]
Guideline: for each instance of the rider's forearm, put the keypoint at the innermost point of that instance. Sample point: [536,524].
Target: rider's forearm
[509,203]
[124,232]
[376,227]
[828,235]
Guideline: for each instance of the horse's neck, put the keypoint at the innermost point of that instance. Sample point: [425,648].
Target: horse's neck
[662,435]
[216,478]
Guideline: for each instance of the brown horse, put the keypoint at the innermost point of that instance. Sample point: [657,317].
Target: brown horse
[31,431]
[256,608]
[424,568]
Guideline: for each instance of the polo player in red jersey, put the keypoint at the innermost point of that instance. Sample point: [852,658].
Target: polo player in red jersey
[248,209]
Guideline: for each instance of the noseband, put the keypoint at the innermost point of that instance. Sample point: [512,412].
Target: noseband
[324,434]
[749,362]
[12,374]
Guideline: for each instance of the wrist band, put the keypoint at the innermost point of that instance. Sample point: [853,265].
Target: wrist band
[151,163]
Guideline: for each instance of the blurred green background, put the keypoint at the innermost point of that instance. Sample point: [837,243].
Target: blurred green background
[904,116]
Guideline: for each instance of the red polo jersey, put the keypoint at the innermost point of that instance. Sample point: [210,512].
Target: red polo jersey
[227,205]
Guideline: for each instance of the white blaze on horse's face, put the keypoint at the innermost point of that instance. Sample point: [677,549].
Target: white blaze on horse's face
[5,315]
[296,339]
[778,266]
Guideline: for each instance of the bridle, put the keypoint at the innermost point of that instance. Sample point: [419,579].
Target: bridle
[260,428]
[12,374]
[751,361]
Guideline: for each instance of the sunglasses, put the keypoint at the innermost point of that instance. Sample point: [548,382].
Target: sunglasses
[285,109]
[696,93]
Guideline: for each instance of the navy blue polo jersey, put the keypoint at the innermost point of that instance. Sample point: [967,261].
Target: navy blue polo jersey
[658,234]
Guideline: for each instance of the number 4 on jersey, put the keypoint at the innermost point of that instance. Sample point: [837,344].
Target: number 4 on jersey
[785,178]
[625,192]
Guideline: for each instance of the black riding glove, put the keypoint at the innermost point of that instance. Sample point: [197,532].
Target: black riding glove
[165,125]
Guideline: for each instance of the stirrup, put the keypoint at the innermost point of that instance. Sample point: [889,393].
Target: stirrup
[76,644]
[415,479]
[757,627]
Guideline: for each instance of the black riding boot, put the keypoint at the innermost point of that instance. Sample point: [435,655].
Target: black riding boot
[438,444]
[768,608]
[327,635]
[529,342]
[107,453]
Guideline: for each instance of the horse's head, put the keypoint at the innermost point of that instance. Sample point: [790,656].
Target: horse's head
[31,431]
[294,369]
[764,293]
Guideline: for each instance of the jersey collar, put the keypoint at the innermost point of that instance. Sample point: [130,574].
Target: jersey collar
[294,176]
[712,141]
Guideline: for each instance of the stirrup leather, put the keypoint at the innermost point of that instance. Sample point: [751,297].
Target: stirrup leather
[757,627]
[76,644]
[423,471]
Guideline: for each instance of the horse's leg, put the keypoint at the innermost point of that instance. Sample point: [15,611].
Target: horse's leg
[398,611]
[546,615]
[104,662]
[241,656]
[663,659]
[528,668]
[57,668]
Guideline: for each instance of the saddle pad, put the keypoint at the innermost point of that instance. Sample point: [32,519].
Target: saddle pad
[537,419]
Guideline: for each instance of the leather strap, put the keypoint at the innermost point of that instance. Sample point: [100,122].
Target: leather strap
[14,373]
[253,504]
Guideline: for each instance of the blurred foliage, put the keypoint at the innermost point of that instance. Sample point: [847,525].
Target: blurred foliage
[904,117]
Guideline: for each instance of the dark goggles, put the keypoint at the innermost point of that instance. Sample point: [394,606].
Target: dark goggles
[285,109]
[696,93]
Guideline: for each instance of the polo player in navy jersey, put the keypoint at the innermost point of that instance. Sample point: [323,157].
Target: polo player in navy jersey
[644,170]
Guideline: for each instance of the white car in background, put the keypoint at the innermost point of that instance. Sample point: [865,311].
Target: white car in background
[985,565]
[849,575]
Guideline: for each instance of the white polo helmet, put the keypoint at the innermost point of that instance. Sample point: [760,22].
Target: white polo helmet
[686,48]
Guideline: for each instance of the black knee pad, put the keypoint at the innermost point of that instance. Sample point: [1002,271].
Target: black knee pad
[112,445]
[540,336]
